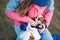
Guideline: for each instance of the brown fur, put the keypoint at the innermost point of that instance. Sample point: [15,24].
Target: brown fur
[31,37]
[42,20]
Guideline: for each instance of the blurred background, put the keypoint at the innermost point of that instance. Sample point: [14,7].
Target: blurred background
[6,25]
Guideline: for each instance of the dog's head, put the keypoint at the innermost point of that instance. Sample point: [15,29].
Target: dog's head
[40,21]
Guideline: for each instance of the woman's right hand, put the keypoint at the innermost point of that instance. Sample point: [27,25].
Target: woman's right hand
[32,22]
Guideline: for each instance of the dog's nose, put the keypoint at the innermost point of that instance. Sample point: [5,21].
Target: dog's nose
[40,26]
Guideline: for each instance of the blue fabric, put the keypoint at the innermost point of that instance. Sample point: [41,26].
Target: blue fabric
[13,4]
[41,3]
[44,36]
[56,37]
[24,26]
[51,6]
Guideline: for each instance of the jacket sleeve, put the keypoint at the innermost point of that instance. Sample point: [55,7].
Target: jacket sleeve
[11,7]
[16,17]
[49,14]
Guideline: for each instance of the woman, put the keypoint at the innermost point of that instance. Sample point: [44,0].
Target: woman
[18,20]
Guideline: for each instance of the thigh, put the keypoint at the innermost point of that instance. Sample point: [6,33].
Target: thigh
[46,35]
[18,38]
[17,30]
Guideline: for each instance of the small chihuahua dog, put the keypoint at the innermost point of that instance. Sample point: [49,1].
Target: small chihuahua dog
[32,33]
[41,22]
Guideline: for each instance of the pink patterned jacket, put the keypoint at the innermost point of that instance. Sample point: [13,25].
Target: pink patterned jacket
[32,13]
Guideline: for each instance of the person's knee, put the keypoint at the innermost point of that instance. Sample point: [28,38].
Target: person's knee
[46,35]
[18,38]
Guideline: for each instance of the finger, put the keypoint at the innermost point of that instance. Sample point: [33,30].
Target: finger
[35,23]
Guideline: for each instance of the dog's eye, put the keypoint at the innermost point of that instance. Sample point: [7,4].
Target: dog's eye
[38,18]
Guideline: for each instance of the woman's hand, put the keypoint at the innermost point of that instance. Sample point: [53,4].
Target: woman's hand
[32,22]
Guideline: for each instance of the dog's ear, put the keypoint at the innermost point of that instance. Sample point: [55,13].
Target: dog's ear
[40,19]
[44,22]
